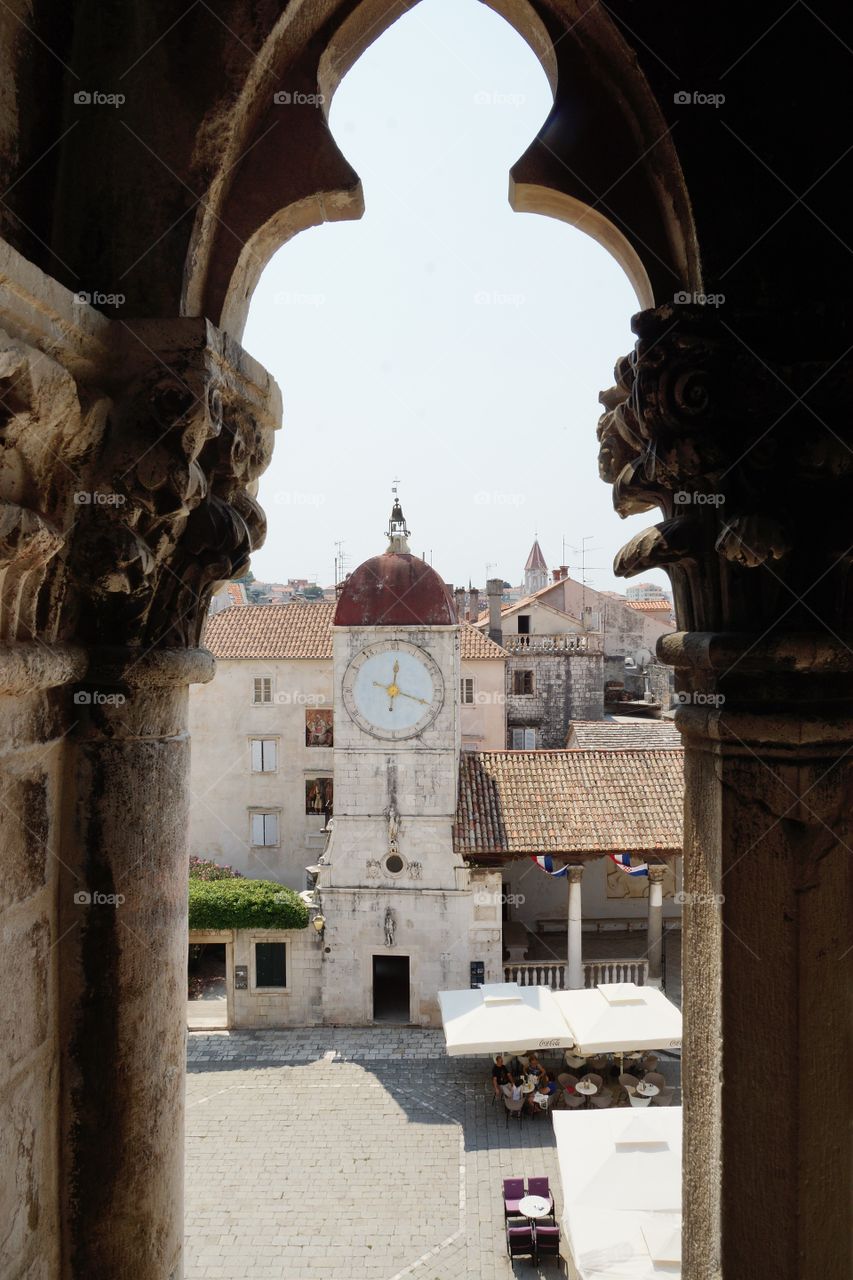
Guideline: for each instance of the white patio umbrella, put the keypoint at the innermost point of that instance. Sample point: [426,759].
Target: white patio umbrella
[620,1016]
[621,1177]
[502,1017]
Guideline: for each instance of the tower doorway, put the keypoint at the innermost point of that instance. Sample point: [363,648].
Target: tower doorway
[391,989]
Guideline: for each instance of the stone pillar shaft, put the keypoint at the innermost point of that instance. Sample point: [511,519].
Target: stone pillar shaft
[123,948]
[654,937]
[574,968]
[768,882]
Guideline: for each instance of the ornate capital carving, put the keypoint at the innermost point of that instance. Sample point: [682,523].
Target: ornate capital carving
[750,458]
[127,488]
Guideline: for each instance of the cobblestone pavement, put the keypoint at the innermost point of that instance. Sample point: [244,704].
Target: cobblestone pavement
[350,1155]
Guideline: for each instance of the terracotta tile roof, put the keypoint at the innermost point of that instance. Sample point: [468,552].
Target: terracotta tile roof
[612,735]
[650,606]
[569,803]
[298,630]
[535,560]
[477,645]
[272,631]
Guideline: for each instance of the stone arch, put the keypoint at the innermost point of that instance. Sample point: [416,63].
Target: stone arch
[605,133]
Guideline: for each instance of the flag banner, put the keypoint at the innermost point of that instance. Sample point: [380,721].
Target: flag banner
[546,863]
[623,862]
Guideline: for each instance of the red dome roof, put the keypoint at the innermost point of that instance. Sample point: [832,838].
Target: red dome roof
[395,590]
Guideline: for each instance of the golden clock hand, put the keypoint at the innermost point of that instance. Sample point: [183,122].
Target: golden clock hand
[413,697]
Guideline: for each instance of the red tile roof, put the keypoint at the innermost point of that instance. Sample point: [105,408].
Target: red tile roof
[535,560]
[650,606]
[300,631]
[568,803]
[612,735]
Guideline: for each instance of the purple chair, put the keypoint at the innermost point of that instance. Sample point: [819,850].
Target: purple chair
[519,1240]
[540,1187]
[547,1242]
[513,1195]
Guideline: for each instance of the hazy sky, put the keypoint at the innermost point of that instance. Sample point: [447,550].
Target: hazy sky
[442,339]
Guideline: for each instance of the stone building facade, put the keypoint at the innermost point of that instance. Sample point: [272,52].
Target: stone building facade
[124,376]
[263,780]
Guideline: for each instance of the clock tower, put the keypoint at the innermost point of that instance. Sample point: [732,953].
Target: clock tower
[396,900]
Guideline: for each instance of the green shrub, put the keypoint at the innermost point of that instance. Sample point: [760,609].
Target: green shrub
[245,904]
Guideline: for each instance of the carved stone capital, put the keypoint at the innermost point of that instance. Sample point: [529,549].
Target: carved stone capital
[130,458]
[574,874]
[748,454]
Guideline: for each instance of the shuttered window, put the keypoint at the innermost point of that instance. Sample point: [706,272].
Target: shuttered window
[270,964]
[264,755]
[264,829]
[466,689]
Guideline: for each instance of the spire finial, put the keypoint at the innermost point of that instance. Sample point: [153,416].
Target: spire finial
[398,530]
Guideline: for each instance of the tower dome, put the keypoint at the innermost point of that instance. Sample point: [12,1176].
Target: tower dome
[396,589]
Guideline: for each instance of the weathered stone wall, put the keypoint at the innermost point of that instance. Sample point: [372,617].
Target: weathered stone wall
[566,687]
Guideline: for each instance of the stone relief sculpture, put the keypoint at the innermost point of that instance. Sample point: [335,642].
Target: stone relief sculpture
[393,830]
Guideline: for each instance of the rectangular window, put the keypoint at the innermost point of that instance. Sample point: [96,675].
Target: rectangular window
[264,830]
[524,739]
[319,727]
[524,624]
[264,755]
[270,964]
[522,681]
[261,690]
[466,690]
[318,796]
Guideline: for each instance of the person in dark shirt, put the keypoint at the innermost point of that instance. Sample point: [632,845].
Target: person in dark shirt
[500,1075]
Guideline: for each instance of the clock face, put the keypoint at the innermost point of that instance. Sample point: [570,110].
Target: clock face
[393,689]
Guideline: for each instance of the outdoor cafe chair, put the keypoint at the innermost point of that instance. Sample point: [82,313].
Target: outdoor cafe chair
[602,1099]
[565,1078]
[540,1187]
[547,1241]
[649,1061]
[519,1239]
[513,1195]
[514,1108]
[628,1081]
[664,1098]
[597,1080]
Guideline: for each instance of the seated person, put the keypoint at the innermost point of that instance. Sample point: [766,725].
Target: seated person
[546,1087]
[534,1067]
[500,1075]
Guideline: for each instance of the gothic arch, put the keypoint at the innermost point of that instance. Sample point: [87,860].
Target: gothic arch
[603,160]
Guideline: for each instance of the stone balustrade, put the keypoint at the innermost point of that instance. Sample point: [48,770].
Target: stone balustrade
[552,973]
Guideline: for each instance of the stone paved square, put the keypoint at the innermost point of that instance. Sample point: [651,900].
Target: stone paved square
[350,1155]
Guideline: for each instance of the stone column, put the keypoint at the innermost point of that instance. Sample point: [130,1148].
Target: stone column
[131,453]
[123,961]
[740,430]
[654,934]
[574,968]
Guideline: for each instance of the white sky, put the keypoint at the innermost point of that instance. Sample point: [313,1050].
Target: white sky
[442,339]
